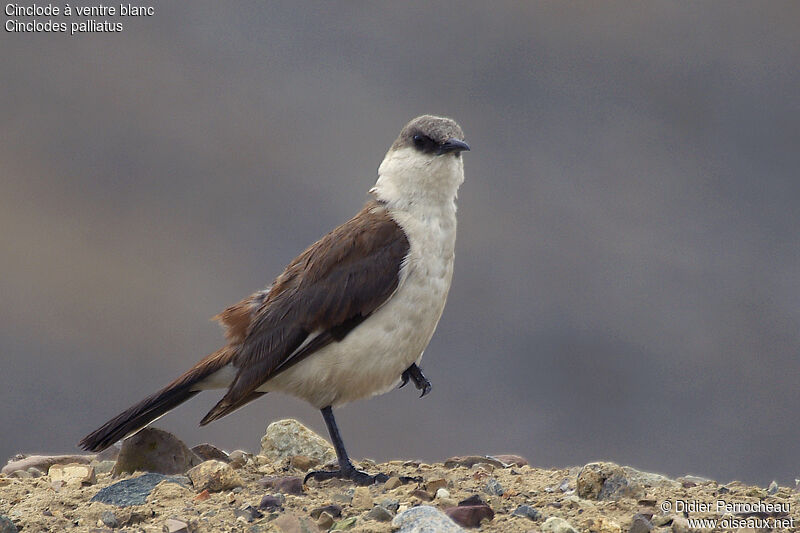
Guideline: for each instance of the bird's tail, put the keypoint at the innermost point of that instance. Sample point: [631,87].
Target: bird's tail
[156,405]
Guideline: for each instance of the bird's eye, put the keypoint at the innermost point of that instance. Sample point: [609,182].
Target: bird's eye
[419,141]
[423,143]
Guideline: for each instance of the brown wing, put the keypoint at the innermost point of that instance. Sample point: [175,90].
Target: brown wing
[329,289]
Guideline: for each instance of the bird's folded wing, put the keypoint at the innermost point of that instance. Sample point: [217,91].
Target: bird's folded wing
[321,296]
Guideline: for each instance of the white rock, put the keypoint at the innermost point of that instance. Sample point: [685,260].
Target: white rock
[287,438]
[557,525]
[424,519]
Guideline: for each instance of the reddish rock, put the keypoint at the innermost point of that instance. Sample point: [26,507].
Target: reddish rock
[469,515]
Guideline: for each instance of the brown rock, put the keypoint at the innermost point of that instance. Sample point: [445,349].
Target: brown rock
[154,450]
[511,460]
[470,515]
[289,523]
[214,476]
[302,462]
[207,451]
[392,483]
[435,484]
[283,484]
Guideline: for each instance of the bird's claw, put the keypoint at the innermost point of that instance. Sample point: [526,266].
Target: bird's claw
[420,381]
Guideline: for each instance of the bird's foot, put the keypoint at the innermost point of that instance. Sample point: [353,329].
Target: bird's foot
[358,477]
[420,381]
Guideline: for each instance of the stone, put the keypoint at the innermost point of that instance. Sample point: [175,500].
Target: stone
[362,498]
[650,479]
[172,525]
[272,502]
[606,481]
[238,458]
[325,521]
[344,525]
[109,519]
[423,495]
[442,494]
[475,499]
[72,474]
[493,487]
[247,513]
[680,525]
[392,483]
[435,484]
[526,511]
[154,450]
[640,524]
[165,492]
[511,460]
[287,438]
[469,461]
[470,515]
[773,488]
[208,451]
[391,505]
[134,491]
[44,462]
[555,524]
[333,510]
[424,519]
[6,525]
[283,484]
[380,514]
[214,476]
[303,463]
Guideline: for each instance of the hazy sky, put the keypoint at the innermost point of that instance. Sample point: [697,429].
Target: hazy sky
[627,279]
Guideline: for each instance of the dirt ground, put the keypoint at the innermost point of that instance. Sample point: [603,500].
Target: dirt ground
[38,504]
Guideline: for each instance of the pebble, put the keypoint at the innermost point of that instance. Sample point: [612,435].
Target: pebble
[435,484]
[511,460]
[208,451]
[555,524]
[325,520]
[362,498]
[640,524]
[392,505]
[248,513]
[287,438]
[72,474]
[109,519]
[238,458]
[680,525]
[470,515]
[134,491]
[344,525]
[269,501]
[442,494]
[469,461]
[44,462]
[6,525]
[283,484]
[154,450]
[605,481]
[773,488]
[172,525]
[214,476]
[392,483]
[379,513]
[424,519]
[423,495]
[527,511]
[333,510]
[303,463]
[494,487]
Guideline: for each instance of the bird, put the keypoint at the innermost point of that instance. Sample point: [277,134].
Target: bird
[348,318]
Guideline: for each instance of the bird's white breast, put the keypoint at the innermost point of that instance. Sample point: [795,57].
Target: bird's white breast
[371,358]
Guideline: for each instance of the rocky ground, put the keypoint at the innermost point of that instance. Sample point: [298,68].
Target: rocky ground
[155,483]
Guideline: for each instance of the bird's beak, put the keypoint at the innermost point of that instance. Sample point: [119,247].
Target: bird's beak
[453,145]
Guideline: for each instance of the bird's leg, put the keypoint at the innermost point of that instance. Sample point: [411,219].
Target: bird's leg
[346,468]
[420,381]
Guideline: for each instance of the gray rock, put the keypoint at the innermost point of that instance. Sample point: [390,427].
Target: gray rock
[773,488]
[650,479]
[527,511]
[109,519]
[494,487]
[6,525]
[283,484]
[134,491]
[680,525]
[606,481]
[44,462]
[469,461]
[392,505]
[424,519]
[154,450]
[172,525]
[557,525]
[333,510]
[269,501]
[248,513]
[640,524]
[287,438]
[214,476]
[379,513]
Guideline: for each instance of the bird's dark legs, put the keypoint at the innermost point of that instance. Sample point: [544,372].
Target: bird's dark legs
[346,468]
[420,381]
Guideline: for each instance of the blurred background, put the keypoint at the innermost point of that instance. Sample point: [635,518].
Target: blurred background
[627,275]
